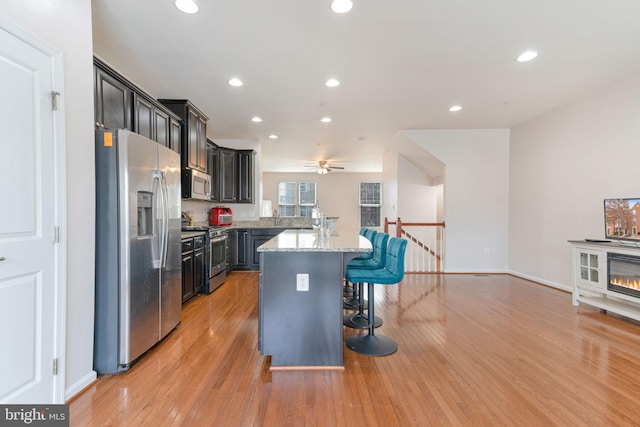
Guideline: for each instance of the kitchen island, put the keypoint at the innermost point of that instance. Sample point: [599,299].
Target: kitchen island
[300,298]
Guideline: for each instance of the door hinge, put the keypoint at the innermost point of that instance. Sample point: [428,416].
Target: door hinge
[56,234]
[54,99]
[55,366]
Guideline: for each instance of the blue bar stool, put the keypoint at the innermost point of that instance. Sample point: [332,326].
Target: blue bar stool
[359,320]
[370,235]
[392,273]
[350,291]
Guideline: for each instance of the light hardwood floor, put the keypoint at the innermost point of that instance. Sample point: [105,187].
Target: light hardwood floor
[474,350]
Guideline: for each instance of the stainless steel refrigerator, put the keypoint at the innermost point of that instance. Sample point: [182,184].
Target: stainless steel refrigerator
[138,253]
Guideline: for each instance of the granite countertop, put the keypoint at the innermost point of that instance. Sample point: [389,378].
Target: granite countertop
[264,222]
[281,222]
[309,241]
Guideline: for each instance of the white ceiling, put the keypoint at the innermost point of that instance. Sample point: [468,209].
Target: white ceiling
[402,64]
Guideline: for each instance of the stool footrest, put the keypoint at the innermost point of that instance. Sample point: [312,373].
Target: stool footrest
[358,321]
[354,304]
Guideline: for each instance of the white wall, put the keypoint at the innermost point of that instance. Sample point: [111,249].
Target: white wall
[66,26]
[476,190]
[390,185]
[417,199]
[337,193]
[562,166]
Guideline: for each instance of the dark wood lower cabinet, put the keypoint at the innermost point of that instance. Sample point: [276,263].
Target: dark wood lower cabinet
[244,243]
[187,275]
[198,269]
[238,245]
[193,266]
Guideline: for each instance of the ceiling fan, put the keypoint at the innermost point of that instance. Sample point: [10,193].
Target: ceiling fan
[324,167]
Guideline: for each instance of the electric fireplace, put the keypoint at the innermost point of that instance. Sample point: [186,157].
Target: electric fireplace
[624,274]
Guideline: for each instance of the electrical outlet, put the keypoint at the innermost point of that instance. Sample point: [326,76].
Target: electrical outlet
[302,282]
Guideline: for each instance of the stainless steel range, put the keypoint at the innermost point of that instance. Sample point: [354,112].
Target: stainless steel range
[218,246]
[215,255]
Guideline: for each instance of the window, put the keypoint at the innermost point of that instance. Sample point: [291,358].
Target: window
[287,198]
[306,198]
[370,203]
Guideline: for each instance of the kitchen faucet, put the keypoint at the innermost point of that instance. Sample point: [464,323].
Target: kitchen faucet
[276,217]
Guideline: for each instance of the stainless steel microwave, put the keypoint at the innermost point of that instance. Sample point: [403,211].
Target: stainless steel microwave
[196,185]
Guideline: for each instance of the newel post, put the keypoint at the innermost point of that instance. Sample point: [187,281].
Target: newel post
[398,227]
[386,224]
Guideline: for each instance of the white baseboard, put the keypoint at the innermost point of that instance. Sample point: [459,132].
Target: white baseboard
[80,385]
[543,281]
[514,273]
[475,271]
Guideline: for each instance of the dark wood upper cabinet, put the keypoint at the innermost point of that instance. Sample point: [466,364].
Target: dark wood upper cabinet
[194,134]
[153,121]
[143,117]
[162,127]
[234,175]
[113,101]
[177,124]
[175,135]
[245,175]
[201,144]
[228,175]
[120,104]
[213,167]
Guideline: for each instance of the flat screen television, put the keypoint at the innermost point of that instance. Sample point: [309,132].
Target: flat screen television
[621,219]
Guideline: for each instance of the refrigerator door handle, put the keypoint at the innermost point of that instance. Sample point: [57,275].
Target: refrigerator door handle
[157,192]
[165,219]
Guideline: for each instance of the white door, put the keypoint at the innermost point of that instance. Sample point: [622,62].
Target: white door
[30,292]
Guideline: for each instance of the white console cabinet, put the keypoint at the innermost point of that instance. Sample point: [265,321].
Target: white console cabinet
[590,278]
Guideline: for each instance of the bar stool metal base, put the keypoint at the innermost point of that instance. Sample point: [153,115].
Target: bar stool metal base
[354,304]
[358,321]
[372,345]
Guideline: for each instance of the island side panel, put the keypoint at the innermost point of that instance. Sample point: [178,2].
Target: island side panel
[301,328]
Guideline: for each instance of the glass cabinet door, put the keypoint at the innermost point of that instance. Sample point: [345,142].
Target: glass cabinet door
[589,267]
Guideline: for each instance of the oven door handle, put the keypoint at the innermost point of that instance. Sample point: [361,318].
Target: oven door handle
[219,239]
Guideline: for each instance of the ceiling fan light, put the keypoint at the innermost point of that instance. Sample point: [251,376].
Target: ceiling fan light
[186,6]
[341,6]
[322,171]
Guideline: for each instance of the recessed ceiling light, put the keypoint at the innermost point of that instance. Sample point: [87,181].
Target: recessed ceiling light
[455,108]
[326,120]
[527,56]
[256,119]
[187,6]
[332,83]
[273,136]
[235,82]
[341,6]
